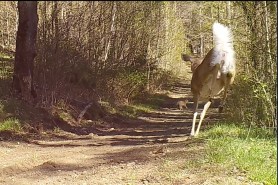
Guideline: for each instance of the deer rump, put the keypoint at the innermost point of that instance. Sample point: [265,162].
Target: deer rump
[210,77]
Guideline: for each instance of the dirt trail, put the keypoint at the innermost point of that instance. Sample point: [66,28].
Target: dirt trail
[155,149]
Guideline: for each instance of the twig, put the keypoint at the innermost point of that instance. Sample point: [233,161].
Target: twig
[79,118]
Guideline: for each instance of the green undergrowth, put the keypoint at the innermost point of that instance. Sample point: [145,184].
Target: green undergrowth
[145,104]
[151,100]
[134,110]
[18,116]
[251,150]
[10,124]
[5,57]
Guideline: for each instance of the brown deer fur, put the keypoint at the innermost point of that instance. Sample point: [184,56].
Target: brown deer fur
[195,62]
[212,76]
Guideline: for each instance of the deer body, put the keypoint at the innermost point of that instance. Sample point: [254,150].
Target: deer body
[214,74]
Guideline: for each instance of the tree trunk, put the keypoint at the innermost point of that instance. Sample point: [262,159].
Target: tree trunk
[112,34]
[8,29]
[201,34]
[269,63]
[25,50]
[228,6]
[55,15]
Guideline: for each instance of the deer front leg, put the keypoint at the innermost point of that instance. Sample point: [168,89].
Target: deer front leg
[202,116]
[195,113]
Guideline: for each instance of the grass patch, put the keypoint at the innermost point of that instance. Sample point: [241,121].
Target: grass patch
[134,110]
[152,100]
[65,116]
[194,164]
[11,124]
[5,57]
[143,104]
[253,151]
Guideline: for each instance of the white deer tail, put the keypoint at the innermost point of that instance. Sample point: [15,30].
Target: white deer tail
[223,51]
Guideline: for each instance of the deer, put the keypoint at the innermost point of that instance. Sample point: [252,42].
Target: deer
[214,74]
[195,62]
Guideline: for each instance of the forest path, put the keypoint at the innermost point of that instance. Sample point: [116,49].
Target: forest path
[153,149]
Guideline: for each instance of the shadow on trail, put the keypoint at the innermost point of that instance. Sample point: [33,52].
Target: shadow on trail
[121,140]
[160,126]
[140,155]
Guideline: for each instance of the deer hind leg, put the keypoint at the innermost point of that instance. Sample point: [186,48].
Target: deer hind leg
[228,79]
[202,116]
[223,102]
[214,72]
[195,113]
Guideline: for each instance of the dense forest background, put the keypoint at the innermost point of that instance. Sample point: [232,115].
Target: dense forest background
[116,51]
